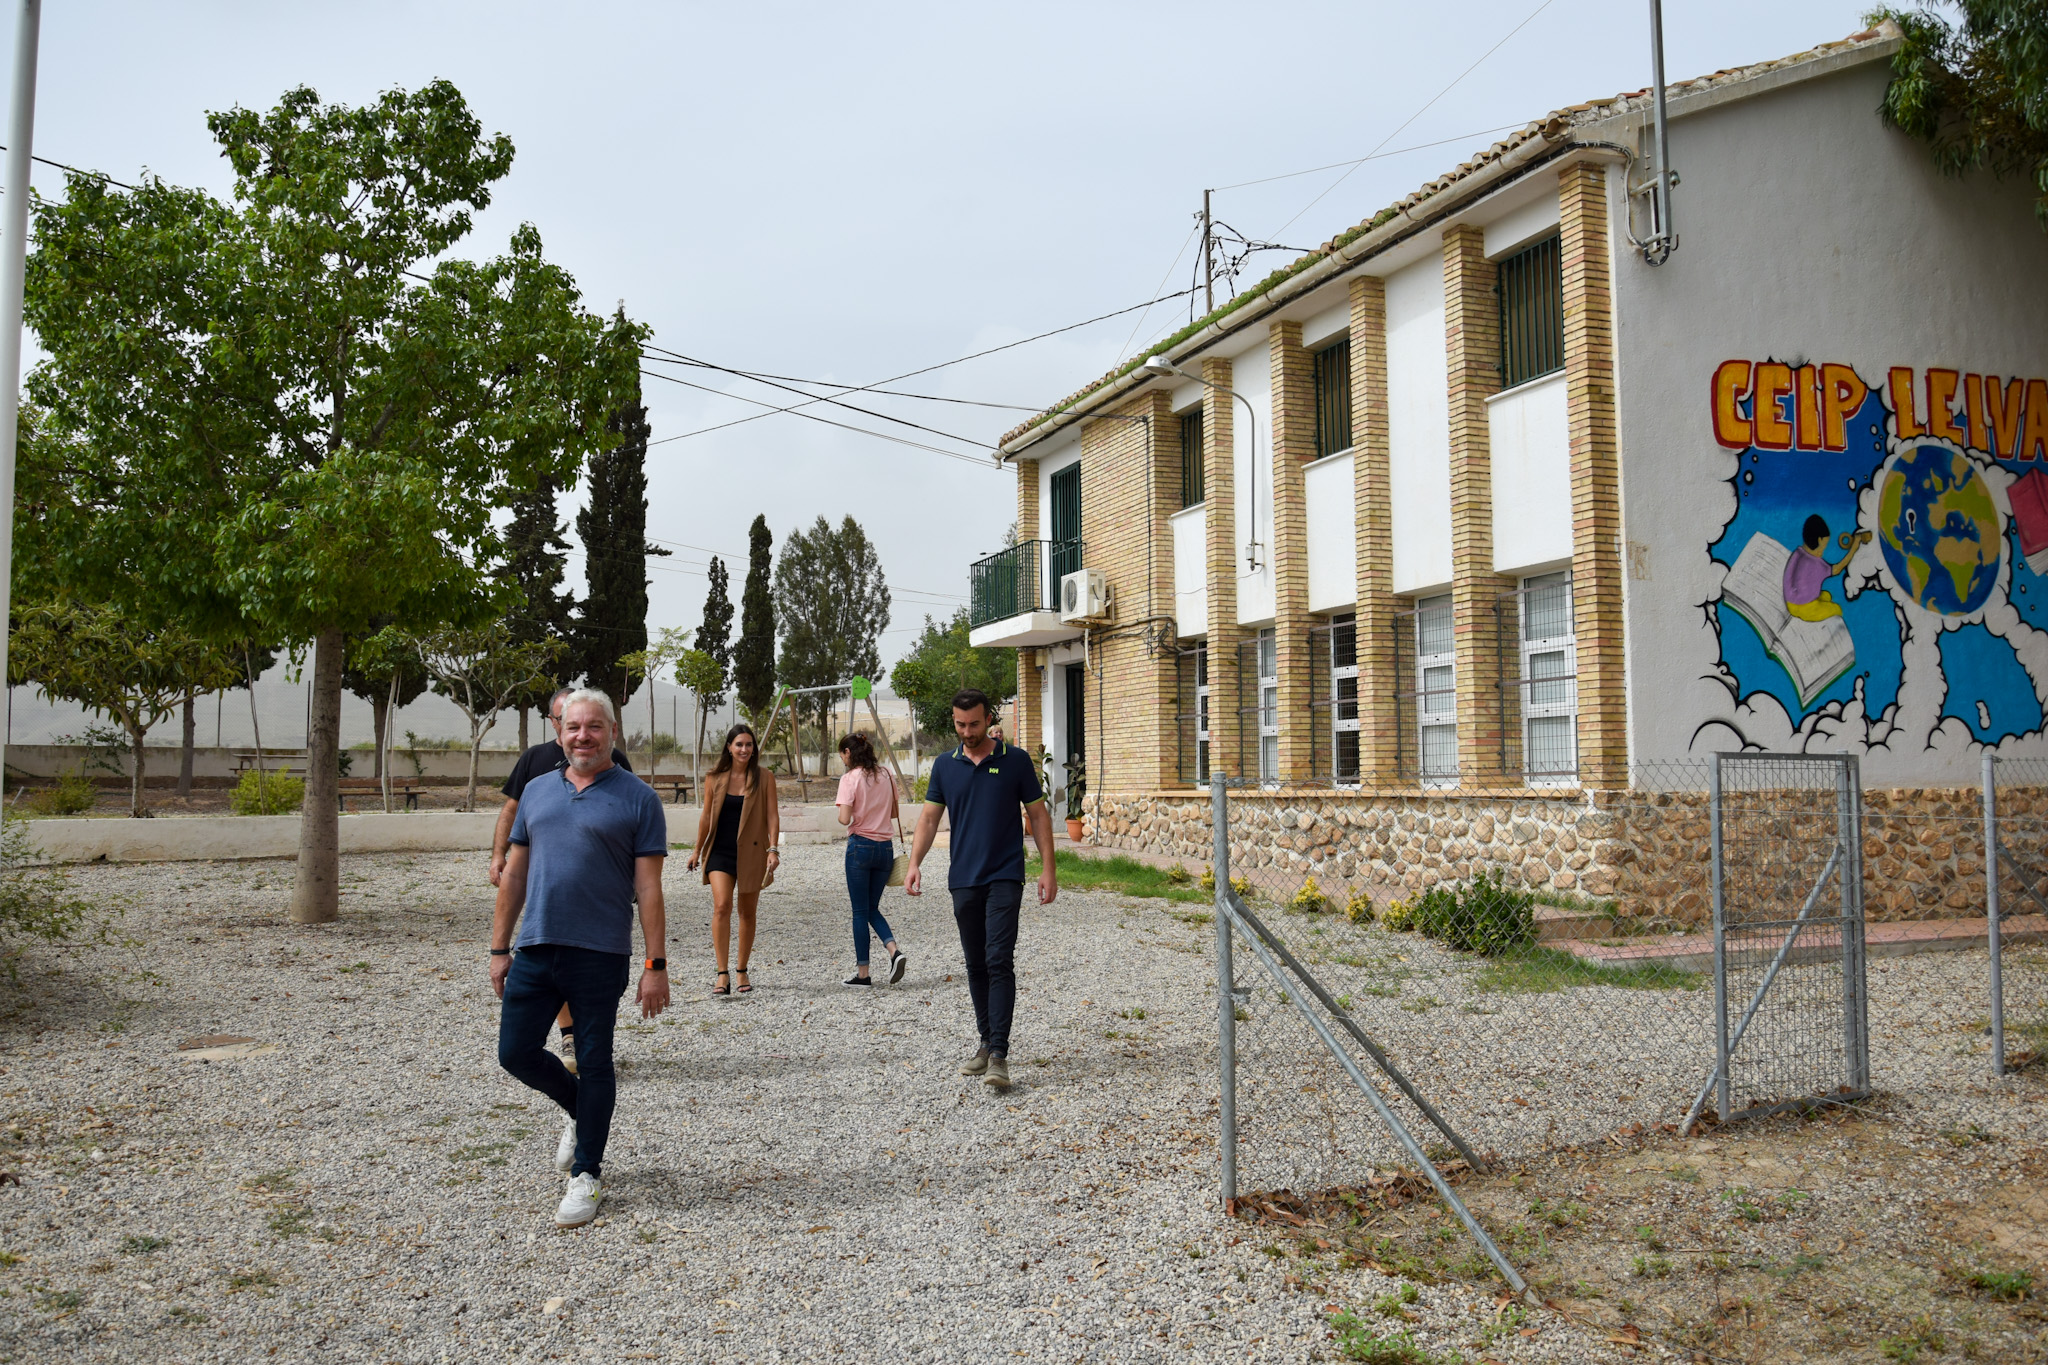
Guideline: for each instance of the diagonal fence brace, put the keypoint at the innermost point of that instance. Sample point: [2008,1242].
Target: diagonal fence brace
[1692,1115]
[1343,1017]
[1227,903]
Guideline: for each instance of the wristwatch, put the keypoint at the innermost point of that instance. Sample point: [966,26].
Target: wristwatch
[657,964]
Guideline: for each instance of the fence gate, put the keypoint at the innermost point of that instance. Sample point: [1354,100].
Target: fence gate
[1790,1016]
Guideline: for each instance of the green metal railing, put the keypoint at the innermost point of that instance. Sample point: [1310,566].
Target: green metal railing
[1022,579]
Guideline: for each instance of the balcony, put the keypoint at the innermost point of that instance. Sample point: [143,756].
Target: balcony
[1013,595]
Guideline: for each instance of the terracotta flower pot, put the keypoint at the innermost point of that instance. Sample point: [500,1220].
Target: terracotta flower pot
[1074,830]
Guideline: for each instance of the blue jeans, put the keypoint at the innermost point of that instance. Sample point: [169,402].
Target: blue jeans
[987,916]
[543,978]
[867,871]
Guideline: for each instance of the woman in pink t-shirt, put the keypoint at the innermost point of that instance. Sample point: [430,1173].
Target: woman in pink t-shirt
[867,802]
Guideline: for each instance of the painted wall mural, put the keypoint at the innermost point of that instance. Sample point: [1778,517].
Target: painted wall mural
[1886,562]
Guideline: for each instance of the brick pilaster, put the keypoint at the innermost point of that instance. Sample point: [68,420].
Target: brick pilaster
[1219,487]
[1379,711]
[1595,472]
[1472,346]
[1127,465]
[1027,725]
[1294,437]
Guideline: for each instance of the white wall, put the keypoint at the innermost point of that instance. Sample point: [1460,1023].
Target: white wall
[1811,232]
[1190,570]
[1419,426]
[1532,475]
[1252,376]
[1331,502]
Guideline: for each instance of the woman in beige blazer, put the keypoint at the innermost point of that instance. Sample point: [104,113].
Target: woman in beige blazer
[739,833]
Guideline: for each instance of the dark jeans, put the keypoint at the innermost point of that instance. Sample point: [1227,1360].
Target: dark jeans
[867,872]
[542,979]
[987,916]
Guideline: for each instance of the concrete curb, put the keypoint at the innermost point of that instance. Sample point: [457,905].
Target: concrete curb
[206,837]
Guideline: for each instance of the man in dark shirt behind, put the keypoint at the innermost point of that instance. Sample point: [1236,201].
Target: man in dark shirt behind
[541,758]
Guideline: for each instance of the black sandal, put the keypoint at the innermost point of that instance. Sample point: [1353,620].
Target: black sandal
[748,988]
[725,989]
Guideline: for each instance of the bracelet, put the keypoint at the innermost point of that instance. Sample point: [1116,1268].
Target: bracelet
[501,952]
[657,964]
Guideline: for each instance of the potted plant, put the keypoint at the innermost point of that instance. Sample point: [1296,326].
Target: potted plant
[1077,788]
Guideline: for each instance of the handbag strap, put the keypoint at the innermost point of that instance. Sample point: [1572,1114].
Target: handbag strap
[896,809]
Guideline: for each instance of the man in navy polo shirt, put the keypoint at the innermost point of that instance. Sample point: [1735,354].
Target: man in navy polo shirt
[980,786]
[588,842]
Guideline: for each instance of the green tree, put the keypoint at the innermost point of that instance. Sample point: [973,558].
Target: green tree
[940,664]
[481,669]
[714,637]
[106,661]
[701,672]
[647,665]
[753,659]
[832,603]
[536,560]
[1975,91]
[278,424]
[387,673]
[613,529]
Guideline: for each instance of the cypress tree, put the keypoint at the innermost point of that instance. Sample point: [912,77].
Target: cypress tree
[613,529]
[536,558]
[753,660]
[714,637]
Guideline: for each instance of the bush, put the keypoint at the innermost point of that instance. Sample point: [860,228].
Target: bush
[1487,917]
[1208,881]
[1400,917]
[33,903]
[1179,875]
[73,793]
[1359,908]
[267,794]
[1243,887]
[1310,900]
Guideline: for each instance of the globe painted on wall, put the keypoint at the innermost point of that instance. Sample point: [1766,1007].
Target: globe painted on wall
[1939,529]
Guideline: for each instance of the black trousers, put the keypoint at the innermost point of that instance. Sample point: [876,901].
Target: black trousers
[987,916]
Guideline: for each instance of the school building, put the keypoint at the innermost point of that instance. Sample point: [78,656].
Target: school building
[1474,518]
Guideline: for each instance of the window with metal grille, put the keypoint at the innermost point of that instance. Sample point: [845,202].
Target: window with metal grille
[1531,313]
[1549,682]
[1269,707]
[1344,700]
[1333,399]
[1202,713]
[1437,700]
[1191,457]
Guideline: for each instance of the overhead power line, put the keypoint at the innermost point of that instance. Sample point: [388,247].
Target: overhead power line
[813,417]
[680,359]
[1418,113]
[1376,156]
[944,364]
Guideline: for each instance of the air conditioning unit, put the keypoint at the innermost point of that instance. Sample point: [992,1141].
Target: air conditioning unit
[1083,597]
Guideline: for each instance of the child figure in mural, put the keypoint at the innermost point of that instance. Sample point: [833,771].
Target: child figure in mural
[1808,568]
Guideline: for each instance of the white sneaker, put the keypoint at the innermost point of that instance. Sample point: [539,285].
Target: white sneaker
[565,1150]
[579,1205]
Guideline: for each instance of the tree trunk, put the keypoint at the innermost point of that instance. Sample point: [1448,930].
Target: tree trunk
[384,741]
[316,894]
[136,807]
[525,735]
[476,744]
[185,753]
[255,725]
[381,707]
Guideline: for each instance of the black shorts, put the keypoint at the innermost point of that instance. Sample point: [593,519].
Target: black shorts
[723,860]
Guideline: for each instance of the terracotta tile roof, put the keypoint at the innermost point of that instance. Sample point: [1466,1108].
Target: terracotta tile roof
[1553,127]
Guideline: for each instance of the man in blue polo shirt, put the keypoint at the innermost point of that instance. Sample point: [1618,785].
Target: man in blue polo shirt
[588,841]
[980,786]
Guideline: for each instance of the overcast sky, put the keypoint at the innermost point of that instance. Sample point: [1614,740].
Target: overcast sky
[850,193]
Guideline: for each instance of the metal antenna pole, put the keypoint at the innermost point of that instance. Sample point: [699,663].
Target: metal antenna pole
[21,127]
[1663,241]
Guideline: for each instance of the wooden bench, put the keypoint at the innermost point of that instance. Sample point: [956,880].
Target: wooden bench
[408,787]
[677,788]
[290,765]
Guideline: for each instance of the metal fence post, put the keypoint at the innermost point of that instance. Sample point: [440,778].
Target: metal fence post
[1226,986]
[1721,1085]
[1991,927]
[1855,998]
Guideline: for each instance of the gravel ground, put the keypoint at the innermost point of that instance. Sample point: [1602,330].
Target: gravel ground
[794,1175]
